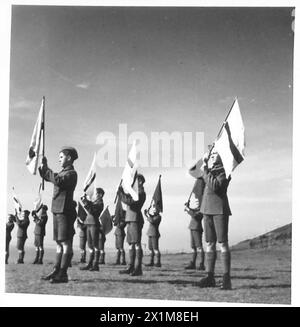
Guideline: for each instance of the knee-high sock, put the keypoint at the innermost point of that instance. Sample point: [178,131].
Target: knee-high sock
[194,256]
[139,256]
[226,261]
[58,260]
[202,256]
[132,254]
[211,261]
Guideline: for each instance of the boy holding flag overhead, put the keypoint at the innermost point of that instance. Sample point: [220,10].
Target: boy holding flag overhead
[63,209]
[93,210]
[224,156]
[135,221]
[154,220]
[22,221]
[195,226]
[119,222]
[40,219]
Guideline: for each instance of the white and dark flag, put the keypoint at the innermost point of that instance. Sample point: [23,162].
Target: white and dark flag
[231,142]
[36,148]
[129,177]
[89,186]
[17,202]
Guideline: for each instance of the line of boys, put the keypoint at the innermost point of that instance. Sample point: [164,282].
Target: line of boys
[214,209]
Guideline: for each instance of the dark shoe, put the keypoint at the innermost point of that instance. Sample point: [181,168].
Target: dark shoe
[59,278]
[191,265]
[35,261]
[208,281]
[201,267]
[20,261]
[137,272]
[94,268]
[226,283]
[87,267]
[128,271]
[123,263]
[40,262]
[51,275]
[158,264]
[151,264]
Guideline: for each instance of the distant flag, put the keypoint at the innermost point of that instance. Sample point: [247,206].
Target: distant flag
[81,213]
[36,148]
[129,177]
[230,143]
[157,196]
[196,170]
[106,221]
[17,202]
[90,181]
[37,203]
[119,211]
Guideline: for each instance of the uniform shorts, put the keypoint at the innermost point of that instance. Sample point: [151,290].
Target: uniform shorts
[120,241]
[102,240]
[134,232]
[63,229]
[216,228]
[38,240]
[153,242]
[82,242]
[92,233]
[20,243]
[196,238]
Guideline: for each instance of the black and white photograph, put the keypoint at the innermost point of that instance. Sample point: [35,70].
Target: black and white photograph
[149,153]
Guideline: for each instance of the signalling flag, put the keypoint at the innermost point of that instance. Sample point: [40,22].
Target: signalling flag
[37,203]
[119,211]
[81,213]
[196,170]
[36,148]
[231,141]
[90,181]
[106,221]
[129,177]
[157,196]
[17,202]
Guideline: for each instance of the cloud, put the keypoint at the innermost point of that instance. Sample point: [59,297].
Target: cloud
[23,104]
[83,85]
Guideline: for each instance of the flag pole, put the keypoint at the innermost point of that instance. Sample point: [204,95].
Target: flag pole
[43,152]
[117,191]
[222,126]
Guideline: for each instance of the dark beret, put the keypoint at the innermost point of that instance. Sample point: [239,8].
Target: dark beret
[141,178]
[71,151]
[100,190]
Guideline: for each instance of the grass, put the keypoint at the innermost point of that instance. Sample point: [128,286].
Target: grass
[258,276]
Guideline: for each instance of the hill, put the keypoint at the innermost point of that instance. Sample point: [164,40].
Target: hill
[276,237]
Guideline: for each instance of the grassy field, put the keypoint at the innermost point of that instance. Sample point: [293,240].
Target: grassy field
[258,276]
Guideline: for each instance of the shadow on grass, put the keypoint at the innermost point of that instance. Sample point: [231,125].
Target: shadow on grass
[250,277]
[258,287]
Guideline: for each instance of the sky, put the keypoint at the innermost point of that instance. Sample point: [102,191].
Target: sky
[156,69]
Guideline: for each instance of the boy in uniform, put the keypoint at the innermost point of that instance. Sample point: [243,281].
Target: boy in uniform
[9,227]
[94,209]
[40,219]
[119,222]
[153,236]
[135,221]
[63,209]
[216,211]
[195,226]
[82,239]
[22,223]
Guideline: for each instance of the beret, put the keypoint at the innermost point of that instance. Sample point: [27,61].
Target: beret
[72,151]
[100,190]
[141,178]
